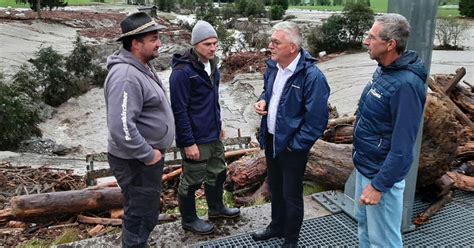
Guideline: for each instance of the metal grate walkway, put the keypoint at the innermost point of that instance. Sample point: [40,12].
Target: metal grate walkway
[452,226]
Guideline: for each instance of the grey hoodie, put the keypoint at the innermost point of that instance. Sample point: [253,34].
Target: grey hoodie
[139,115]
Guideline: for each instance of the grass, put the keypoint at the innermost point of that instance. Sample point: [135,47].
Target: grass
[380,6]
[13,4]
[67,236]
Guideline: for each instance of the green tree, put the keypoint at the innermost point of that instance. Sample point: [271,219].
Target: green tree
[165,5]
[340,32]
[50,4]
[466,8]
[206,11]
[323,2]
[282,3]
[241,5]
[329,37]
[359,18]
[255,8]
[276,12]
[18,116]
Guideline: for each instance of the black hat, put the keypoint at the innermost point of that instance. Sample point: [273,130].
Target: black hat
[138,23]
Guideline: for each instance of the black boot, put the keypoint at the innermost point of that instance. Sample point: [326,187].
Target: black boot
[215,201]
[189,219]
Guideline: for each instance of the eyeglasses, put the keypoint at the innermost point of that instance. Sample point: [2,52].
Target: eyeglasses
[370,37]
[277,43]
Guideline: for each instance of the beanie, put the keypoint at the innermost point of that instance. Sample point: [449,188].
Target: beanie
[202,31]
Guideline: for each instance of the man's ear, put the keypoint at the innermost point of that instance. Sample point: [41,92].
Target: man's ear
[294,48]
[135,44]
[391,45]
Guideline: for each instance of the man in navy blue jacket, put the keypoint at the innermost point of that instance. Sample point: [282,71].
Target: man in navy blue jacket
[194,90]
[388,118]
[294,113]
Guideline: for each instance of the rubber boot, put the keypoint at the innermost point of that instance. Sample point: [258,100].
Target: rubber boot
[215,203]
[189,219]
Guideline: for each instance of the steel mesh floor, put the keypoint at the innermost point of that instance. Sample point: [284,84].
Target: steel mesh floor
[452,226]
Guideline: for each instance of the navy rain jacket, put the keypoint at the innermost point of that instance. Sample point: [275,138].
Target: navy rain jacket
[388,118]
[302,113]
[195,100]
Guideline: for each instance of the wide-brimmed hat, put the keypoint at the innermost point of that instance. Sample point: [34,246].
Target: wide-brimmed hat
[138,23]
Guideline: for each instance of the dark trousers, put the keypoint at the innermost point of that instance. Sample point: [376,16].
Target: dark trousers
[285,178]
[141,188]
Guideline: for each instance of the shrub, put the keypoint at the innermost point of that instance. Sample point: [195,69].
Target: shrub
[359,18]
[323,2]
[255,9]
[340,32]
[466,8]
[449,31]
[282,3]
[276,12]
[18,116]
[329,37]
[50,4]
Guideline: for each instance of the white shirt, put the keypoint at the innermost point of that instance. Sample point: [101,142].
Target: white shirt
[207,68]
[280,81]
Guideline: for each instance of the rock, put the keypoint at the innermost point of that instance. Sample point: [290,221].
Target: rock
[37,145]
[61,150]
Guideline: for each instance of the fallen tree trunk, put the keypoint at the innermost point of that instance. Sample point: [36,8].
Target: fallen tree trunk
[75,201]
[461,181]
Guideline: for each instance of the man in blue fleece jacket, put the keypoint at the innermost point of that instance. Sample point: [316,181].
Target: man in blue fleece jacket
[388,118]
[194,91]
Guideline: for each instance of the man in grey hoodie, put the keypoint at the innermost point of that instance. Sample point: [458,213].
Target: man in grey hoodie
[141,126]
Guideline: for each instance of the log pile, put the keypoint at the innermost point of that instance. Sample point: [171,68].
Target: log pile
[447,142]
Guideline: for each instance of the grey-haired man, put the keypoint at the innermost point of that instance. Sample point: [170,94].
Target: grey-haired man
[194,90]
[141,126]
[388,118]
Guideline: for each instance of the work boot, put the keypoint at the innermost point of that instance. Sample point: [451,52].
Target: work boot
[214,197]
[189,219]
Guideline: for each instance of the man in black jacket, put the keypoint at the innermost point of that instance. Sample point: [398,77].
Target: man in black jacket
[194,90]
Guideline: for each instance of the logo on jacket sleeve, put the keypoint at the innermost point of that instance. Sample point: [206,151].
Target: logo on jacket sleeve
[375,93]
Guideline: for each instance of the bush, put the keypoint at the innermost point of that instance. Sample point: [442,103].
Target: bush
[255,9]
[330,37]
[228,11]
[54,79]
[282,3]
[323,2]
[276,12]
[341,32]
[50,4]
[466,8]
[165,5]
[359,18]
[18,116]
[449,31]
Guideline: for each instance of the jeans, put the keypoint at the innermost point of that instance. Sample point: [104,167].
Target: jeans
[380,225]
[141,188]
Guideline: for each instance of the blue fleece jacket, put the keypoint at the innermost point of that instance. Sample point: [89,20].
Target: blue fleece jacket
[195,100]
[388,118]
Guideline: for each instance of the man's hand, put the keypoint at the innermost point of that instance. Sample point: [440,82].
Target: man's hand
[192,152]
[260,107]
[370,196]
[222,135]
[156,158]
